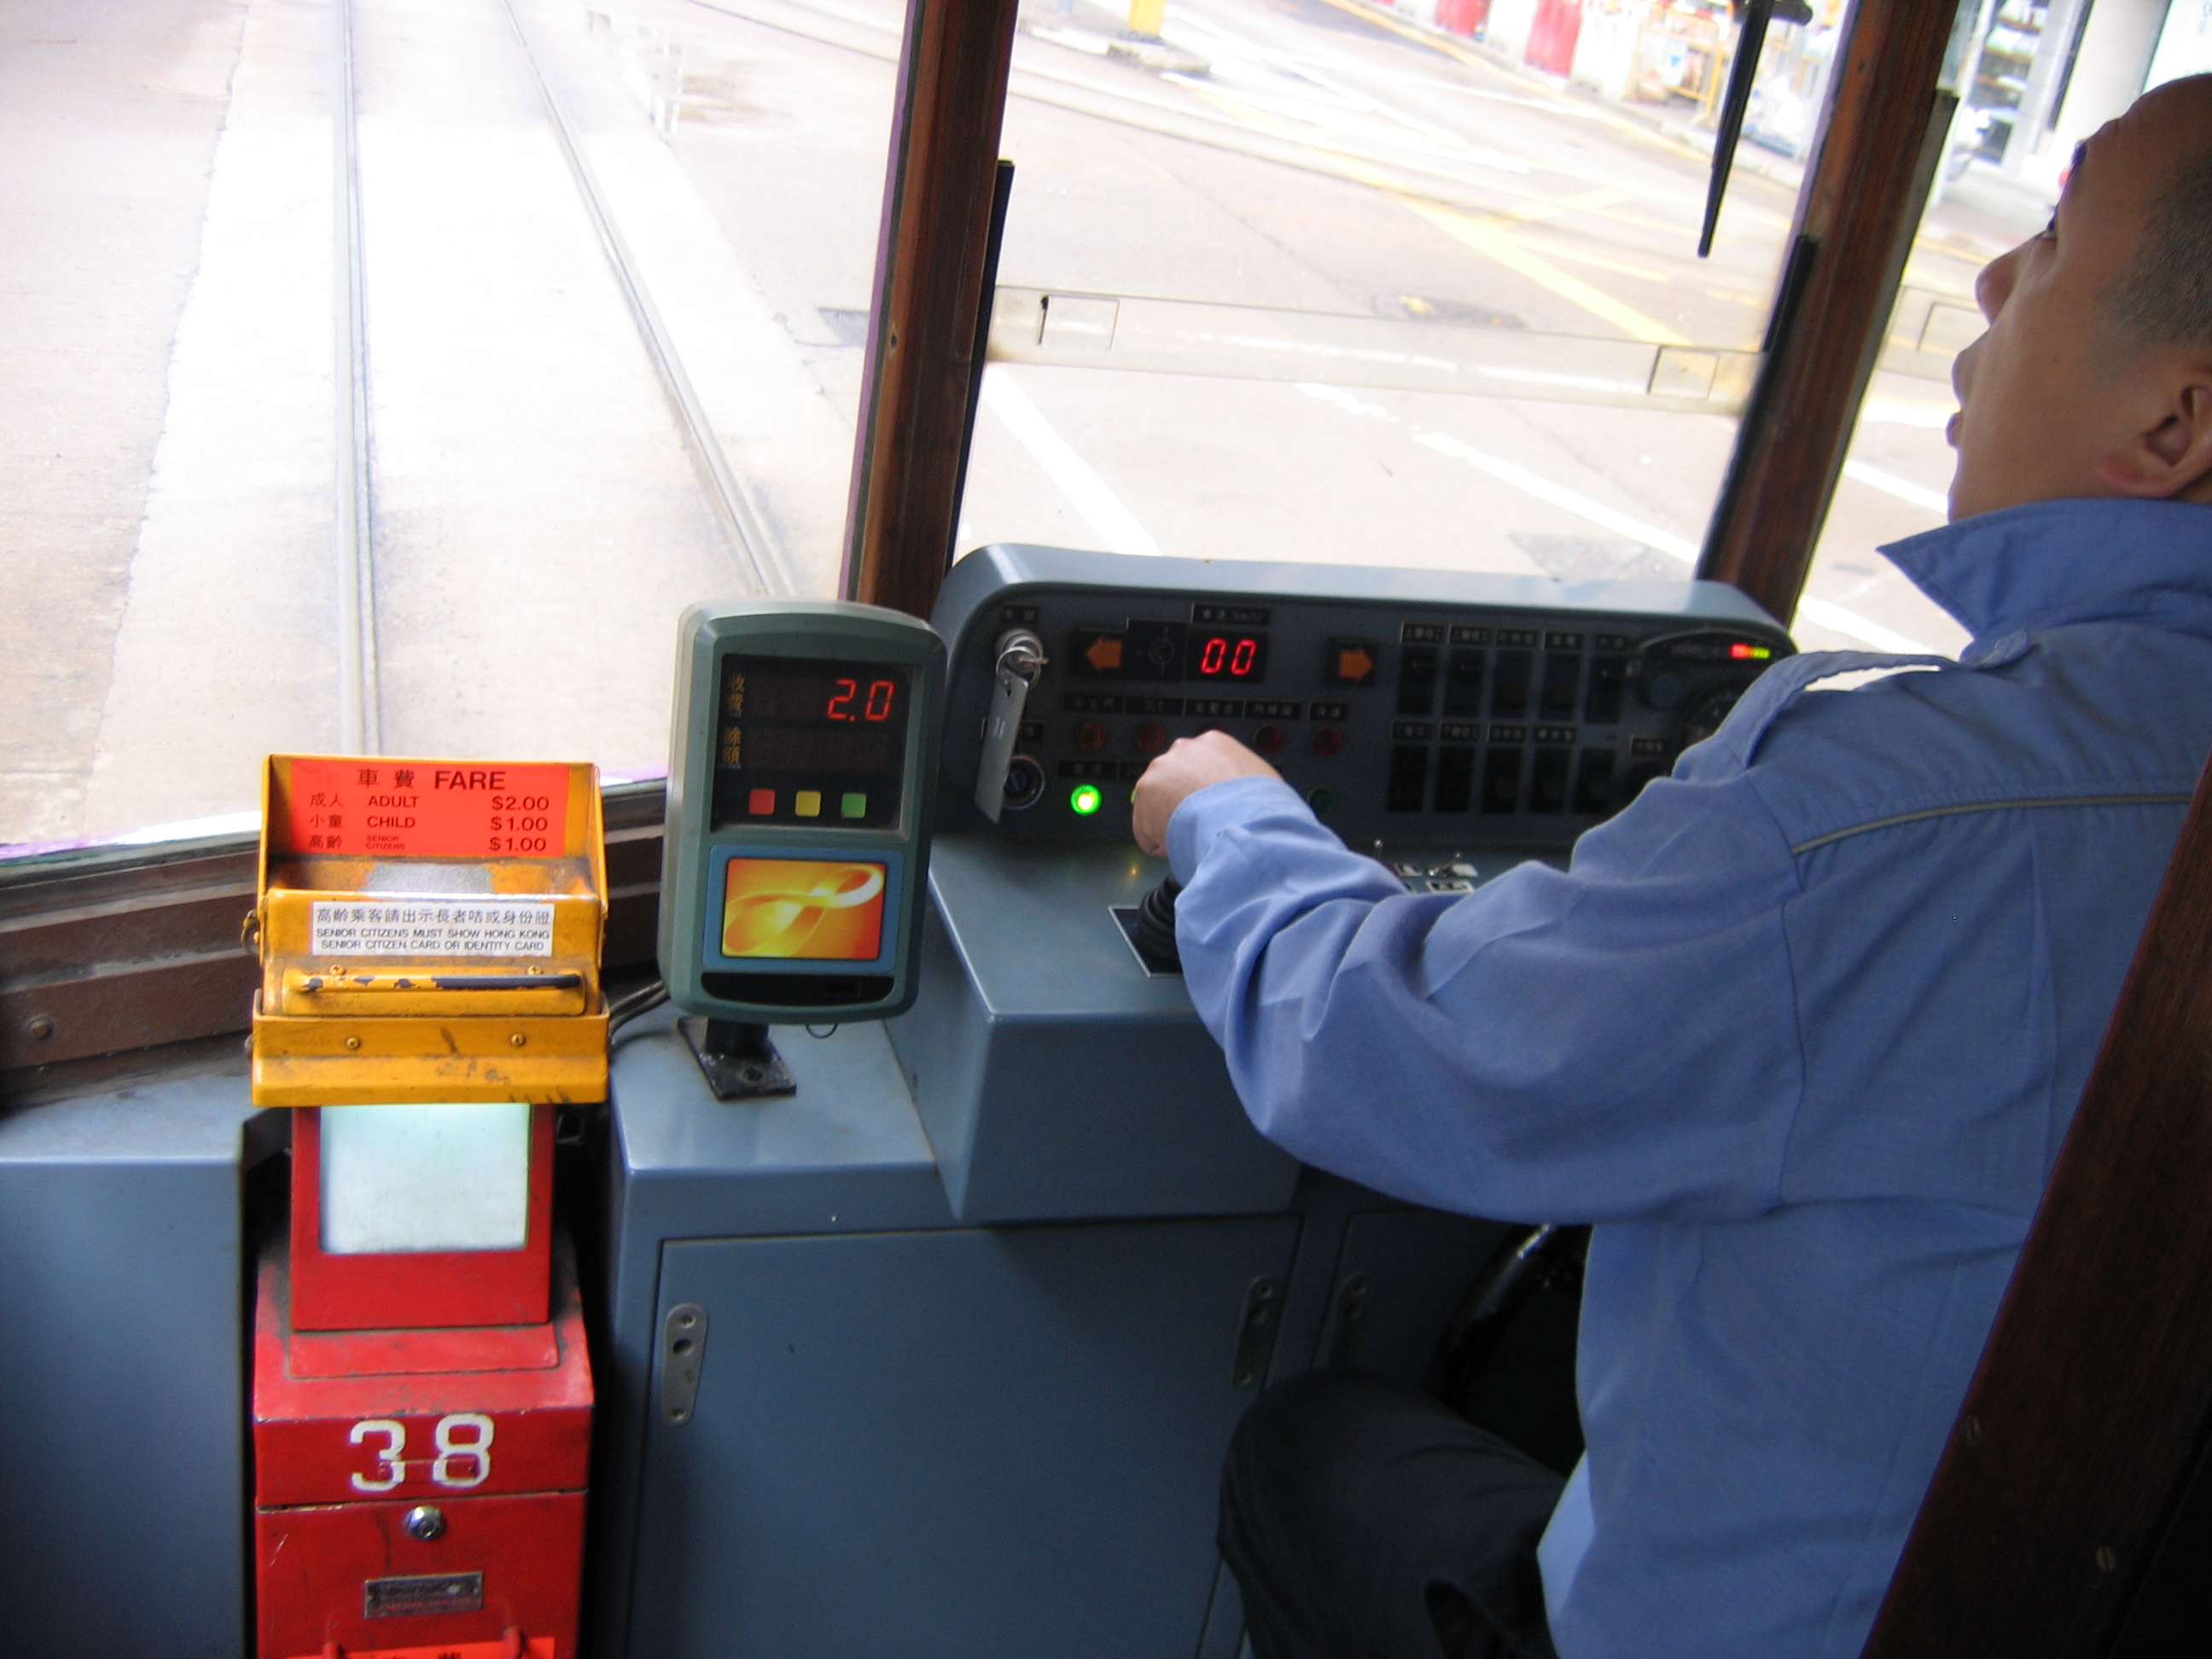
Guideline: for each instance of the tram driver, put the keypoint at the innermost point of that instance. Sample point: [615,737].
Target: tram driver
[1800,1031]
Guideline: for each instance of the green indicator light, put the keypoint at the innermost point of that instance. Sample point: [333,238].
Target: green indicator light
[1085,799]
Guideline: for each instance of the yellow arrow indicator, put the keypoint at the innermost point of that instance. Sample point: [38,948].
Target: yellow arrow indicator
[1354,666]
[1103,654]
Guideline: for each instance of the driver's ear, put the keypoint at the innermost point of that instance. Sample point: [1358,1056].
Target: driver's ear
[2173,459]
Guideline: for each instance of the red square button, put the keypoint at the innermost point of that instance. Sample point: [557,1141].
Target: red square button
[760,803]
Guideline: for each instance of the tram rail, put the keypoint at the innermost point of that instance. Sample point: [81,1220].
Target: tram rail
[360,724]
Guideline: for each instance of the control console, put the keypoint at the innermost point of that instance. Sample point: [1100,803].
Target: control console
[1429,708]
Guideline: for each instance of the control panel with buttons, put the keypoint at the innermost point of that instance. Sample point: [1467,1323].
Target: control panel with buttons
[1410,707]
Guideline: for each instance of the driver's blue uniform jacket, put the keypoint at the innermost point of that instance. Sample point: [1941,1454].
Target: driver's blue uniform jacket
[1800,1031]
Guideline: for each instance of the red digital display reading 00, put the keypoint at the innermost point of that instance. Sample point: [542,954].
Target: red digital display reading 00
[1241,657]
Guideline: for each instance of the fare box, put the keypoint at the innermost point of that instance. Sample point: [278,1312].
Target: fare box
[429,930]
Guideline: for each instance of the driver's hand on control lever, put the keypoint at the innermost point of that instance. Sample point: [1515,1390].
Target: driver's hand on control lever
[1188,765]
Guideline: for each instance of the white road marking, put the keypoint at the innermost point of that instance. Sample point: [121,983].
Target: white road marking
[1934,499]
[1822,611]
[1100,506]
[1118,527]
[1560,495]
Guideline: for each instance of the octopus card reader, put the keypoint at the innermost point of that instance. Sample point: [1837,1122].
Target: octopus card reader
[801,778]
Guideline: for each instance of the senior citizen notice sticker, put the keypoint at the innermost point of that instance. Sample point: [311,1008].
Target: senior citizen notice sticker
[429,928]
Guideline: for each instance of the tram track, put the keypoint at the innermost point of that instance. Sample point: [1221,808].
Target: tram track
[739,520]
[360,716]
[353,540]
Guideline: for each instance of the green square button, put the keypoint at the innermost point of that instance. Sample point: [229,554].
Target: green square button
[854,806]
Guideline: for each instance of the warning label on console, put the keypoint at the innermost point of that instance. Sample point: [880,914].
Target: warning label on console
[428,928]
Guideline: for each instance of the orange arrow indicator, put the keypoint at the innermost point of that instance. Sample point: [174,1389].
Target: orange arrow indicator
[1354,666]
[1104,654]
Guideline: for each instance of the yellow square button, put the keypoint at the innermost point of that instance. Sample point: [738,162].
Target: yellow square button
[808,804]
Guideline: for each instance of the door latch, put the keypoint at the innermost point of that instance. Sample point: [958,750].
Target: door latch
[682,1346]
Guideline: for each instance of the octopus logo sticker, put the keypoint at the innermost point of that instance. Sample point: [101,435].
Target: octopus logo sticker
[821,910]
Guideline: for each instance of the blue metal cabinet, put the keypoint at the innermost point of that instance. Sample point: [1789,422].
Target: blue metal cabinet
[964,1444]
[122,1375]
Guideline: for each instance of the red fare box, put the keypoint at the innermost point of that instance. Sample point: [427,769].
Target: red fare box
[357,1433]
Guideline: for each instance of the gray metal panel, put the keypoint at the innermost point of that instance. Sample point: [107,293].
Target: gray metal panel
[976,579]
[1305,609]
[845,1152]
[123,1501]
[1056,1079]
[966,1444]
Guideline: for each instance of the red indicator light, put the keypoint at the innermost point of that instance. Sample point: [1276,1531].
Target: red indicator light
[760,803]
[1741,652]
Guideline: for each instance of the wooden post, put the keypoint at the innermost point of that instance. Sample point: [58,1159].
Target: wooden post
[2086,1416]
[1857,218]
[923,336]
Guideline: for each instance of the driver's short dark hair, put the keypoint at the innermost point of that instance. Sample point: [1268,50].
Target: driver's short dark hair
[2165,297]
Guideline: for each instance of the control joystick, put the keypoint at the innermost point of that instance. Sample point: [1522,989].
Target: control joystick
[1152,931]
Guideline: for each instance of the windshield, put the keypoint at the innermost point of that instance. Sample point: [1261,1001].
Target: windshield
[386,377]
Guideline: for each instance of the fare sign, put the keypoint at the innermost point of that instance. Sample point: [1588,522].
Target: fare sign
[373,808]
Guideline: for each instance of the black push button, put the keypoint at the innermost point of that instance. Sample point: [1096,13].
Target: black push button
[1464,683]
[1501,781]
[1417,679]
[1547,783]
[1508,691]
[1562,677]
[1455,779]
[1607,676]
[1409,778]
[1594,782]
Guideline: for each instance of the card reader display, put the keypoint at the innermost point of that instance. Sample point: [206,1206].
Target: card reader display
[818,744]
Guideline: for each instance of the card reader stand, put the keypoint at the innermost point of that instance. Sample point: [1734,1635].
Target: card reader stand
[736,1059]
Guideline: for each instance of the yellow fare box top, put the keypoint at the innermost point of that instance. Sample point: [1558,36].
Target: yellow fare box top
[430,892]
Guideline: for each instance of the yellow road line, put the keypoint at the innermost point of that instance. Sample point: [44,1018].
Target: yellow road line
[1490,235]
[1577,257]
[1554,206]
[1491,239]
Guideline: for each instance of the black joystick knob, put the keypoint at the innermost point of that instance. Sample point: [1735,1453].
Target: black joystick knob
[1154,930]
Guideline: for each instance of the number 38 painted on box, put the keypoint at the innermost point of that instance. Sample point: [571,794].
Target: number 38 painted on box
[463,1440]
